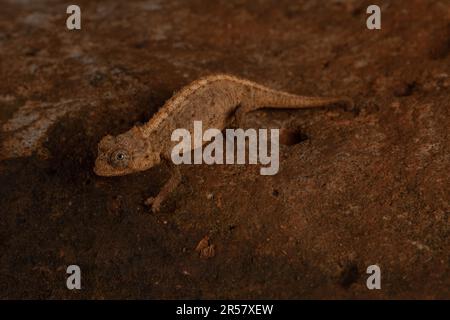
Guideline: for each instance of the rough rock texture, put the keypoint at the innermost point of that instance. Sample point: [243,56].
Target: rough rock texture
[357,188]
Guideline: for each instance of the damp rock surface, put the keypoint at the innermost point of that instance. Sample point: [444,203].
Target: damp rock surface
[355,187]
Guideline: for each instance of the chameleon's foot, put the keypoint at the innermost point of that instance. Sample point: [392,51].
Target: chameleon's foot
[154,204]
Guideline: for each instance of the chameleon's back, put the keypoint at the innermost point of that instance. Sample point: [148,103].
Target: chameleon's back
[211,100]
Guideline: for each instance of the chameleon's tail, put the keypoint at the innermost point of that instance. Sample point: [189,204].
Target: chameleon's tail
[278,99]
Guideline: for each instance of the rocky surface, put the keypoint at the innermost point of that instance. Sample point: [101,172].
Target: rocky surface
[358,188]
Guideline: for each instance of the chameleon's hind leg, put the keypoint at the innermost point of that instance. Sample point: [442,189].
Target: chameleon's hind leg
[166,190]
[240,113]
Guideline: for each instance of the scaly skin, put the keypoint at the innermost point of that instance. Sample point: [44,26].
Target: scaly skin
[215,100]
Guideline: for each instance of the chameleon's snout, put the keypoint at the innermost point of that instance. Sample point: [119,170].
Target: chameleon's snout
[102,168]
[99,167]
[102,165]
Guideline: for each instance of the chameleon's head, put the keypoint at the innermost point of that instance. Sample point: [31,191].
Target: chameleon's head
[124,154]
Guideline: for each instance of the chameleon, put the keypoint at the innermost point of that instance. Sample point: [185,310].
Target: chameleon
[217,100]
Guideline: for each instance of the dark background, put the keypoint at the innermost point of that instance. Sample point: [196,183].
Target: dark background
[365,187]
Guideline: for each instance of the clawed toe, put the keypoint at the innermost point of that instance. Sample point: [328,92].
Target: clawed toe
[149,201]
[155,207]
[153,203]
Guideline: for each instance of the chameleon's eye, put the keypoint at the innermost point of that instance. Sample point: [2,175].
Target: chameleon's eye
[119,159]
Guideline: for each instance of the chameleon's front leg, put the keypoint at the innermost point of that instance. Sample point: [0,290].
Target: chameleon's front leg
[166,190]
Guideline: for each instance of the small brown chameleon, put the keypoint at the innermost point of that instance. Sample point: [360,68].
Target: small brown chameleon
[216,100]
